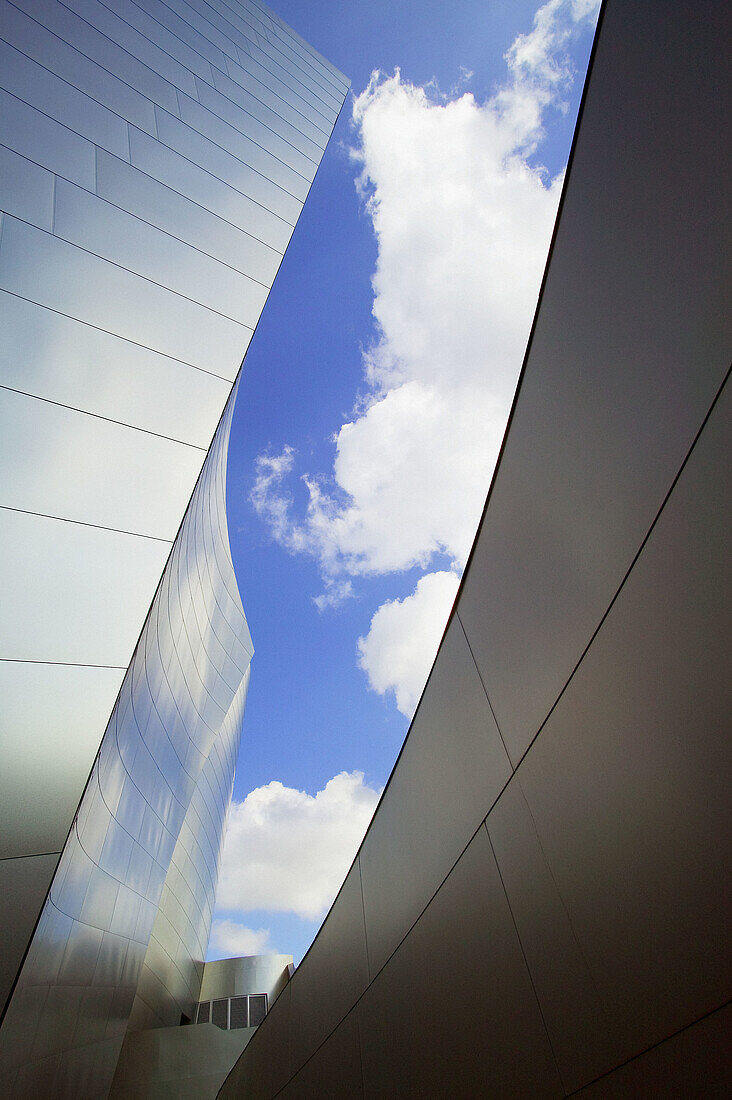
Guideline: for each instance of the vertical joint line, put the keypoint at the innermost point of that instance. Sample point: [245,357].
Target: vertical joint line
[53,197]
[549,868]
[485,691]
[363,915]
[526,961]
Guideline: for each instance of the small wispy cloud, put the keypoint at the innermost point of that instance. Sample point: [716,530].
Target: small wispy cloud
[232,939]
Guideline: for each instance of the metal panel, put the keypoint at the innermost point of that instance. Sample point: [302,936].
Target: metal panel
[49,94]
[251,126]
[248,974]
[49,736]
[71,65]
[183,218]
[267,1065]
[51,272]
[606,914]
[279,98]
[628,781]
[335,1070]
[89,369]
[279,56]
[182,926]
[453,757]
[27,189]
[138,45]
[321,104]
[68,566]
[105,230]
[221,163]
[24,883]
[60,462]
[584,1040]
[154,30]
[225,135]
[46,142]
[328,74]
[112,300]
[695,1062]
[182,175]
[332,975]
[289,52]
[304,136]
[80,34]
[183,30]
[202,17]
[453,1012]
[74,948]
[622,365]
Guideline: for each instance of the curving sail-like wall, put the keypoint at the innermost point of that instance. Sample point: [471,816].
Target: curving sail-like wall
[154,158]
[130,906]
[540,905]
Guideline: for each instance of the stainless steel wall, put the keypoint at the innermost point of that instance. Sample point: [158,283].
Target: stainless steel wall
[538,906]
[154,159]
[250,974]
[179,711]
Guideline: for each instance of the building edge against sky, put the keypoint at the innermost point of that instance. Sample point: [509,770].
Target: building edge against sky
[540,905]
[154,167]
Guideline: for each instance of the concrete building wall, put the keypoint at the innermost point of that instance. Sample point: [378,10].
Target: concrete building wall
[154,160]
[538,906]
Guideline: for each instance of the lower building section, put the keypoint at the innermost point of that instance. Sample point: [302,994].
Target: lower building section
[538,908]
[193,1062]
[188,1063]
[238,992]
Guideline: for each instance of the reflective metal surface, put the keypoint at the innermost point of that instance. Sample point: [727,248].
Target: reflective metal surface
[322,995]
[544,881]
[336,1068]
[154,161]
[250,974]
[123,933]
[458,985]
[454,757]
[625,382]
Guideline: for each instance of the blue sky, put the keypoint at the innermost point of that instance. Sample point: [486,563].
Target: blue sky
[361,450]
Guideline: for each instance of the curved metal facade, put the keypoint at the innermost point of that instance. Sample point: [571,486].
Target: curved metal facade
[130,907]
[539,907]
[155,158]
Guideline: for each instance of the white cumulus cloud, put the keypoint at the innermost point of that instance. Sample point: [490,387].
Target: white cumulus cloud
[400,646]
[462,212]
[234,939]
[288,851]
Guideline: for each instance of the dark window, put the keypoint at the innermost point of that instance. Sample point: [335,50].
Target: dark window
[239,1014]
[257,1009]
[204,1013]
[220,1013]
